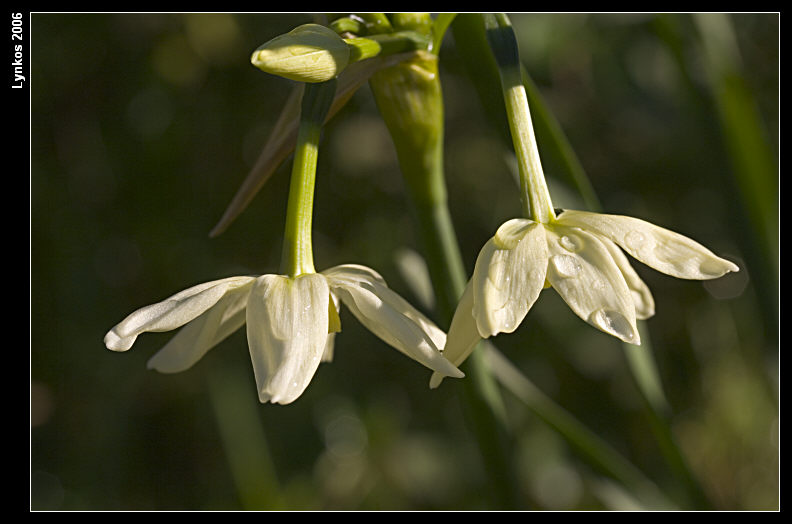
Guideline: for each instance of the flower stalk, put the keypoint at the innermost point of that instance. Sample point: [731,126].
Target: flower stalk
[535,196]
[297,258]
[385,44]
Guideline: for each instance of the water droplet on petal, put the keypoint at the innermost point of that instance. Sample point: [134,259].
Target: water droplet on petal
[634,239]
[569,243]
[566,266]
[614,323]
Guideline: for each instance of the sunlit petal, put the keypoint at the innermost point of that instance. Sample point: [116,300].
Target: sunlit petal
[171,313]
[583,272]
[390,317]
[334,326]
[203,333]
[329,349]
[463,334]
[659,248]
[642,297]
[287,327]
[508,277]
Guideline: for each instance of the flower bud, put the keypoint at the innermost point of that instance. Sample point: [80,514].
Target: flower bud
[309,53]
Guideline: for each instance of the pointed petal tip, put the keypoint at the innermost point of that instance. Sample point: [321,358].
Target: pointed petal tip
[113,342]
[716,267]
[457,373]
[268,398]
[165,366]
[437,378]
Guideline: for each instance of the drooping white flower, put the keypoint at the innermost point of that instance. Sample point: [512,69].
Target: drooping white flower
[291,324]
[580,255]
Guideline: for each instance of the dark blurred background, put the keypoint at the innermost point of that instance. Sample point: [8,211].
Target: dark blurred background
[143,128]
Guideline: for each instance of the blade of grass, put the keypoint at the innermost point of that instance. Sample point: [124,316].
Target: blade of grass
[589,446]
[243,438]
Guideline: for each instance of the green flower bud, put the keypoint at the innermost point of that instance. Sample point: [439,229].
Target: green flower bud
[308,53]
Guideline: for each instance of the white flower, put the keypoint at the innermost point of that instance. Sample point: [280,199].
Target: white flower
[578,254]
[291,324]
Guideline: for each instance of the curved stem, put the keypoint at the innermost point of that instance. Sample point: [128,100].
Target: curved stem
[297,258]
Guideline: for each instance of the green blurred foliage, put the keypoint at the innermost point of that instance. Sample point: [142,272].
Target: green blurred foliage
[144,125]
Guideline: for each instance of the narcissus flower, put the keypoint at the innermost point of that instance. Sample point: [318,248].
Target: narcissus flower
[578,253]
[291,324]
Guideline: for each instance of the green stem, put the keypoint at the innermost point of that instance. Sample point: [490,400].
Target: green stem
[361,48]
[410,100]
[297,258]
[535,196]
[376,22]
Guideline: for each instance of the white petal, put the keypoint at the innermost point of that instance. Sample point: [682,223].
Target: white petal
[659,248]
[171,313]
[287,321]
[354,273]
[509,275]
[590,282]
[390,317]
[642,297]
[329,349]
[463,334]
[203,333]
[334,326]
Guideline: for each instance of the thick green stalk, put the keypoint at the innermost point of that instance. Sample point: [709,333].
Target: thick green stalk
[410,101]
[409,98]
[297,257]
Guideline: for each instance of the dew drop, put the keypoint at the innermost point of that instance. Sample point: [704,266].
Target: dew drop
[572,244]
[566,266]
[634,239]
[614,323]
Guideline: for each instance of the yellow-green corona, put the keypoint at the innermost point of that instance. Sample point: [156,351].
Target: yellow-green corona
[309,53]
